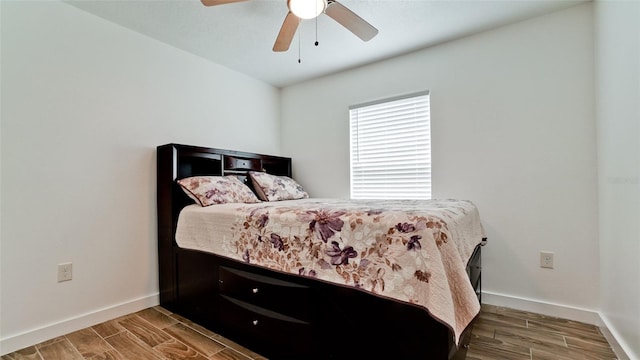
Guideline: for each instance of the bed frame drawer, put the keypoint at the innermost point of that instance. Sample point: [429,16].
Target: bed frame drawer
[280,296]
[262,327]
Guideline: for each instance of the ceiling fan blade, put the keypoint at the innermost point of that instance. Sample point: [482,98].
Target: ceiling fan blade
[218,2]
[287,31]
[354,23]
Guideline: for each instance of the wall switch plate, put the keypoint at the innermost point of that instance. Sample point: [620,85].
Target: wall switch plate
[546,259]
[64,272]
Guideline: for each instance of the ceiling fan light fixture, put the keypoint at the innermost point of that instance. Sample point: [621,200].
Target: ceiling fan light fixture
[307,9]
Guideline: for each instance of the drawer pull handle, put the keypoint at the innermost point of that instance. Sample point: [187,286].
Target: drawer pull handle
[255,290]
[255,322]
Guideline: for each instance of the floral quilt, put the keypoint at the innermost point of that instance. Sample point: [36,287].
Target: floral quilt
[410,250]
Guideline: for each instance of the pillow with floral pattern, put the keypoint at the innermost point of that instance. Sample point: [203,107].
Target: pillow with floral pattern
[210,190]
[275,188]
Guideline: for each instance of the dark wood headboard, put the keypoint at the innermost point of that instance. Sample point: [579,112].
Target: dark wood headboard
[177,161]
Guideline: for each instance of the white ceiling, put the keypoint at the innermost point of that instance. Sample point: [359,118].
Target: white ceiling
[240,35]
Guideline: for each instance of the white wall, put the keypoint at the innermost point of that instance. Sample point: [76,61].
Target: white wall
[618,116]
[513,129]
[84,104]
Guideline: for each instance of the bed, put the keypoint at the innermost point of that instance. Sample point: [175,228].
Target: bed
[288,280]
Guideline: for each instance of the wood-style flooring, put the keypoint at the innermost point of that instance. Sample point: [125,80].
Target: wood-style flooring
[157,334]
[503,333]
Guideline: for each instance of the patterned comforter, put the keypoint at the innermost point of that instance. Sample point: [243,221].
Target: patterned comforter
[413,251]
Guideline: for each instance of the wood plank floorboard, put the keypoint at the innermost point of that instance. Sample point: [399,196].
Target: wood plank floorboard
[157,334]
[88,342]
[60,350]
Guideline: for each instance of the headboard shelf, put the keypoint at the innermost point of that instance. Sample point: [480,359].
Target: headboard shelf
[238,163]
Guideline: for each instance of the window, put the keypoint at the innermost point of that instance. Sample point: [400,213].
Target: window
[391,148]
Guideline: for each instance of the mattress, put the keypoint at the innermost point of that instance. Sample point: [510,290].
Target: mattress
[413,251]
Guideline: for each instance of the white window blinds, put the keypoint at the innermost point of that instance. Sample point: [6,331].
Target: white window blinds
[391,149]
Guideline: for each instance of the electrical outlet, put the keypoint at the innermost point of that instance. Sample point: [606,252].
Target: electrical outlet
[546,259]
[64,272]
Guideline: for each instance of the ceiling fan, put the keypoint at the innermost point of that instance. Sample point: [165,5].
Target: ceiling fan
[309,9]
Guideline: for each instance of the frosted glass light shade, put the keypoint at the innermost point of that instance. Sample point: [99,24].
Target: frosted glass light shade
[307,9]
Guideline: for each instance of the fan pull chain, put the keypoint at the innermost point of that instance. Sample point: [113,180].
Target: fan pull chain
[317,31]
[299,56]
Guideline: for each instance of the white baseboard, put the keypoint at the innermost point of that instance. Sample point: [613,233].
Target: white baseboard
[621,348]
[542,307]
[15,342]
[561,311]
